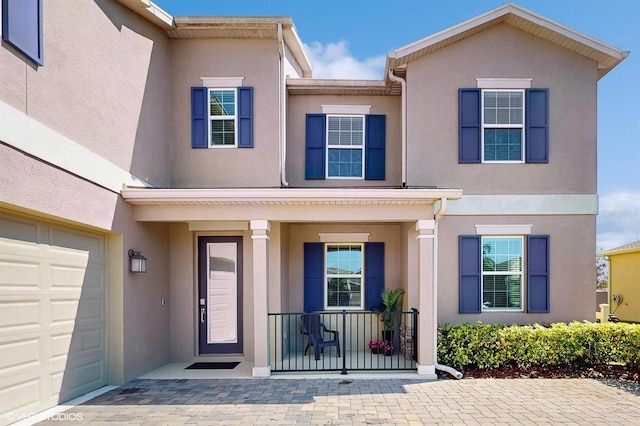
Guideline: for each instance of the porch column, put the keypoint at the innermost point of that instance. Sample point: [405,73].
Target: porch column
[426,326]
[260,236]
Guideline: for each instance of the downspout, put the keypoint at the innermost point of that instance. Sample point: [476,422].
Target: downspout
[452,371]
[282,131]
[403,83]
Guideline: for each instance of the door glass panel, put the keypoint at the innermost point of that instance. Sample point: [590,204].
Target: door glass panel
[222,284]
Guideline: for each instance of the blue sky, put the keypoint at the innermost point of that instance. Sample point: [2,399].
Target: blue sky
[350,39]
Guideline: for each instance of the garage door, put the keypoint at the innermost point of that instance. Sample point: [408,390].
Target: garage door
[52,314]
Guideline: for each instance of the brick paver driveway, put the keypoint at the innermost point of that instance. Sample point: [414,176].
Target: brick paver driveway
[363,401]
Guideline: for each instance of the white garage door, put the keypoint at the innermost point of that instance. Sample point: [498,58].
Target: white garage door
[52,315]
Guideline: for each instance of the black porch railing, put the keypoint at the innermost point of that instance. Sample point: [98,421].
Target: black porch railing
[292,347]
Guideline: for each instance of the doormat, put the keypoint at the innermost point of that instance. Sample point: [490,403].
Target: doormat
[213,366]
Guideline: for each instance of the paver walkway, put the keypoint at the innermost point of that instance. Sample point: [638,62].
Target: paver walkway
[356,401]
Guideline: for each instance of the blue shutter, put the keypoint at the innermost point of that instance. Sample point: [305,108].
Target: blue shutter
[199,117]
[22,27]
[313,277]
[469,126]
[470,281]
[245,117]
[375,130]
[538,274]
[314,164]
[537,126]
[373,275]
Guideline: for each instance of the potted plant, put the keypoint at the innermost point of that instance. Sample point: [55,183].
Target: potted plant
[377,346]
[388,348]
[391,302]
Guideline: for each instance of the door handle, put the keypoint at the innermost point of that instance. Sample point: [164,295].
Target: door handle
[202,315]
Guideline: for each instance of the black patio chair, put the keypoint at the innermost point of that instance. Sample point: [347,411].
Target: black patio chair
[313,327]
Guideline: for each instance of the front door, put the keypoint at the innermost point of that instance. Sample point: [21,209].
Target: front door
[220,294]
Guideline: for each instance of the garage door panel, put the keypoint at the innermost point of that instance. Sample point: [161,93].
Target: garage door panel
[21,393]
[19,316]
[19,354]
[19,230]
[18,275]
[83,244]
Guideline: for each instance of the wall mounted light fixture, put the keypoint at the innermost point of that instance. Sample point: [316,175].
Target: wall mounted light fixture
[137,262]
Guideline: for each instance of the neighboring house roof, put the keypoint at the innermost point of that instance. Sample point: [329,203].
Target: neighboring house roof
[247,27]
[510,14]
[625,249]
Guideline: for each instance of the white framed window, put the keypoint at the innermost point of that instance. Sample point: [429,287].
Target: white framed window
[503,125]
[502,273]
[345,146]
[344,276]
[223,130]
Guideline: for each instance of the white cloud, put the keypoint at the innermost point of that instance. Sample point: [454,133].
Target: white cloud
[618,221]
[334,61]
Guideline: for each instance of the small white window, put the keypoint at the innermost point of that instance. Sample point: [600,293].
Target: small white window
[344,276]
[222,118]
[503,125]
[502,273]
[345,146]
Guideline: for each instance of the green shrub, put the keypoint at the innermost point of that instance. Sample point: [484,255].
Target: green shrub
[489,346]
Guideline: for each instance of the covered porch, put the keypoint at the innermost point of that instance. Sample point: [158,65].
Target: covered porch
[273,226]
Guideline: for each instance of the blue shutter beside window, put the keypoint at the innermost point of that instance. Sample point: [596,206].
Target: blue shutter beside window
[245,117]
[373,275]
[199,119]
[470,278]
[375,130]
[315,146]
[469,126]
[313,277]
[22,27]
[538,274]
[537,126]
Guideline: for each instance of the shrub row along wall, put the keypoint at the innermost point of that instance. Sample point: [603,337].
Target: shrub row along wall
[489,346]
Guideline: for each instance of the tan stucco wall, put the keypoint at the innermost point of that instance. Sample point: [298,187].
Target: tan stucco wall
[300,234]
[624,279]
[572,269]
[103,84]
[257,62]
[433,82]
[300,106]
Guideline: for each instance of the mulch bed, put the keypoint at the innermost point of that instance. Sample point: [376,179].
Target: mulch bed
[616,372]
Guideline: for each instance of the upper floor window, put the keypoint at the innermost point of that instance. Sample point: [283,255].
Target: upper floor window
[503,121]
[222,116]
[22,27]
[503,125]
[345,146]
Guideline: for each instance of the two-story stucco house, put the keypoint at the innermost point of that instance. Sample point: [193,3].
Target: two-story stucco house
[466,176]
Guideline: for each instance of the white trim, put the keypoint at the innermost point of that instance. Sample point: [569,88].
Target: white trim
[428,370]
[503,83]
[362,237]
[218,226]
[526,205]
[346,109]
[261,371]
[26,134]
[260,225]
[425,224]
[503,229]
[219,82]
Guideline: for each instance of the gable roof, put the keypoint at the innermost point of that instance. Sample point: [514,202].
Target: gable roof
[627,248]
[607,56]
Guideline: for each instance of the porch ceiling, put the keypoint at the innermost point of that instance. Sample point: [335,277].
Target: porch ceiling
[285,204]
[286,196]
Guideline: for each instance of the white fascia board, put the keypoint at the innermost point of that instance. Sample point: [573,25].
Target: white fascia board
[498,13]
[526,205]
[26,134]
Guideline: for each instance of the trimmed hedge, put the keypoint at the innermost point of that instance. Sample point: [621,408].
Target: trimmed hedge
[488,346]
